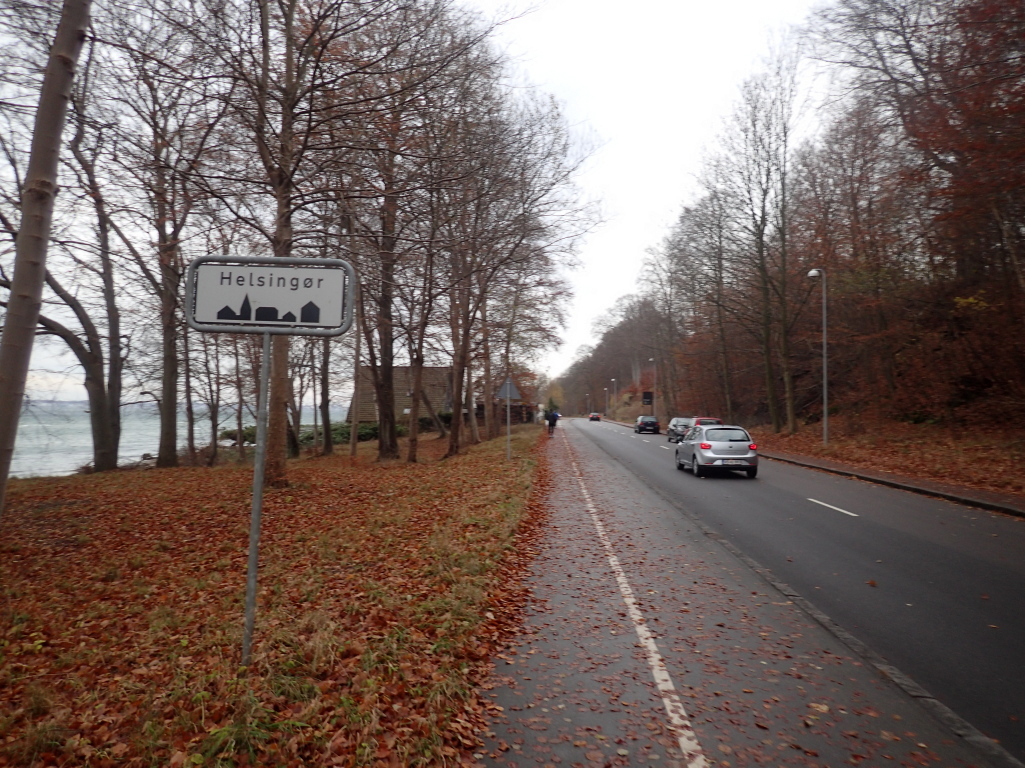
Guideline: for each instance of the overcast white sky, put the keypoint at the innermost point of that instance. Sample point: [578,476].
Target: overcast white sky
[650,83]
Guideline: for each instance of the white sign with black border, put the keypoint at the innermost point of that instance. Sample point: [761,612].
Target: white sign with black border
[295,296]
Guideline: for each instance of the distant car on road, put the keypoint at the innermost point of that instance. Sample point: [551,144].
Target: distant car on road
[715,447]
[594,417]
[678,427]
[702,420]
[647,424]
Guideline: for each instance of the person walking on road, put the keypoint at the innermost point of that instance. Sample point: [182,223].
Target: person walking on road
[553,418]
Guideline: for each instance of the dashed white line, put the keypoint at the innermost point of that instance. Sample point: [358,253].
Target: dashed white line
[688,741]
[832,507]
[666,447]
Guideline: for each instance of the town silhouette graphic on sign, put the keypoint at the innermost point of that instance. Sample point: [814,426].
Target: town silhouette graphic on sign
[310,313]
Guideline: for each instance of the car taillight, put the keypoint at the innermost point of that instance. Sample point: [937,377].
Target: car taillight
[705,446]
[753,446]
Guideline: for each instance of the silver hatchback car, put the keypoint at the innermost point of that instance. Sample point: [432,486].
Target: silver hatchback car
[717,447]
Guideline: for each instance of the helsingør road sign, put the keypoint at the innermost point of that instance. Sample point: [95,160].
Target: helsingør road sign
[310,297]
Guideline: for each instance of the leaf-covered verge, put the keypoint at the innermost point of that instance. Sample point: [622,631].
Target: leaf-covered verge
[979,454]
[384,589]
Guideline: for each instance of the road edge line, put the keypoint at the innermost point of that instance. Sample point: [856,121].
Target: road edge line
[679,721]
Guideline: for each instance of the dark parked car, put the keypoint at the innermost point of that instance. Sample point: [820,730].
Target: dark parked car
[717,447]
[647,424]
[678,427]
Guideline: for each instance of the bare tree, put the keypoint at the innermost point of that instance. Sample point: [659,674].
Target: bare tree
[40,188]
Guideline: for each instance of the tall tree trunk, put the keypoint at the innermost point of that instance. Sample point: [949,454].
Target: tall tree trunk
[215,418]
[34,235]
[167,453]
[356,384]
[724,362]
[471,408]
[276,472]
[416,375]
[240,443]
[279,172]
[295,410]
[460,353]
[190,409]
[790,409]
[325,396]
[387,445]
[313,389]
[765,339]
[490,423]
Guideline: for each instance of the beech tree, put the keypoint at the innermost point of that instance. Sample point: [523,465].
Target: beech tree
[33,232]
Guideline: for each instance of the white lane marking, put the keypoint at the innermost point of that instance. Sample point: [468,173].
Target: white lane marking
[832,507]
[688,741]
[647,441]
[666,447]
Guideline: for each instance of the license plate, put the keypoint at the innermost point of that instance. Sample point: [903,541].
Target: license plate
[733,461]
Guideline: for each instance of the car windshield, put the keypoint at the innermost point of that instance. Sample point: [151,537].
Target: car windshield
[726,435]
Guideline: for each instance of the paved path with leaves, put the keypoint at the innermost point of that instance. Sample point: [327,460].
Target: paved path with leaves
[648,643]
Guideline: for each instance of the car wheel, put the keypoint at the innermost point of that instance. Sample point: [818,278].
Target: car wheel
[699,471]
[752,473]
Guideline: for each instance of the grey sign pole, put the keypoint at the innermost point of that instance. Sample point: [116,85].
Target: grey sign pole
[257,509]
[508,391]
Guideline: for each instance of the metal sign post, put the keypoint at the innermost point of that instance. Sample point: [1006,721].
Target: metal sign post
[307,297]
[508,391]
[256,515]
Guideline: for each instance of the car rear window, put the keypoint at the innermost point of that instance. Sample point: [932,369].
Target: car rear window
[648,418]
[727,435]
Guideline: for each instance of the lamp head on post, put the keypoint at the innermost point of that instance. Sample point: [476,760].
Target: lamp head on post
[814,273]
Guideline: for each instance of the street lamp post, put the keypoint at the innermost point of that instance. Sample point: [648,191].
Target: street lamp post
[615,392]
[606,402]
[587,398]
[825,355]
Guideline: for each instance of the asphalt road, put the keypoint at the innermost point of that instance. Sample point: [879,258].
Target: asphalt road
[936,588]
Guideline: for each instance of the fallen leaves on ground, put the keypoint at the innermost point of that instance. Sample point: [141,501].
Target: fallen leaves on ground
[384,589]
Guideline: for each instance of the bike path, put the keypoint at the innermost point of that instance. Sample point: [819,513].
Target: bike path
[646,642]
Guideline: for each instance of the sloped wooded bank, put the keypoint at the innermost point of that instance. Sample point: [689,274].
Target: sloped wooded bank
[910,196]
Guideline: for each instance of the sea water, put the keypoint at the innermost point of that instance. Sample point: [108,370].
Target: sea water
[54,437]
